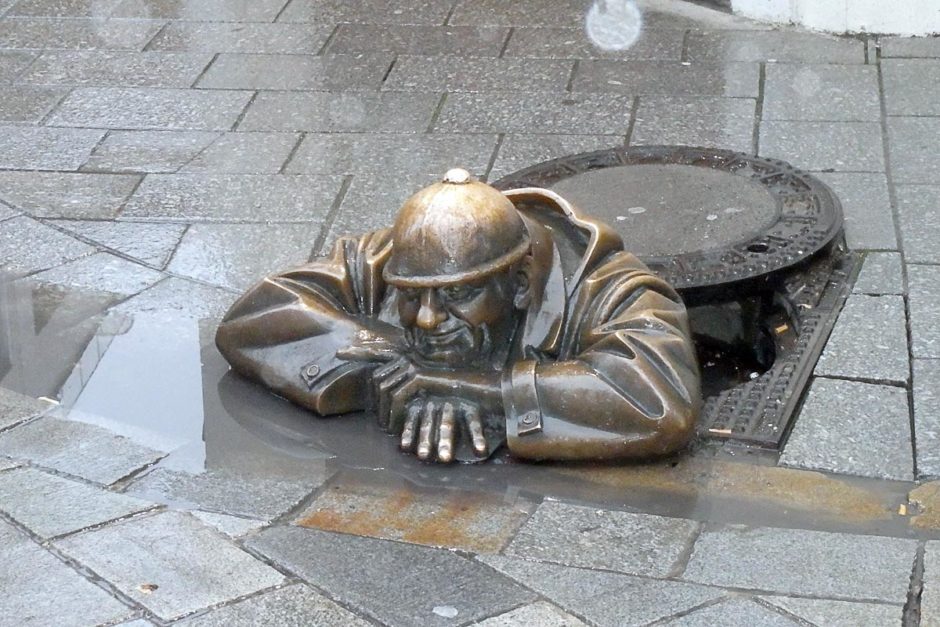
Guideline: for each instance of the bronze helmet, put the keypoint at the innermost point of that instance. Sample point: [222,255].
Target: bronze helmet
[454,231]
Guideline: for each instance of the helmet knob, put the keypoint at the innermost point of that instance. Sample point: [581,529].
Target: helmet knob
[457,176]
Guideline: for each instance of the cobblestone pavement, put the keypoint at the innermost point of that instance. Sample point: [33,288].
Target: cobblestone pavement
[158,156]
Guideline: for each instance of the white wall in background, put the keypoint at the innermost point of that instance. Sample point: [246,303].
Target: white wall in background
[901,17]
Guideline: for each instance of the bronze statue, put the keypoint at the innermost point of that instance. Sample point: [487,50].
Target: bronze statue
[480,317]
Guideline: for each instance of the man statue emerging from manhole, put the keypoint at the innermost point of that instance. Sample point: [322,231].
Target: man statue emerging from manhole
[480,318]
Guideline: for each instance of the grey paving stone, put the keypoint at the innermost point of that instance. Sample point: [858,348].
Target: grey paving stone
[720,122]
[334,563]
[541,613]
[62,8]
[179,296]
[838,146]
[927,416]
[605,599]
[296,72]
[520,150]
[923,285]
[64,597]
[76,33]
[28,104]
[7,212]
[221,197]
[373,156]
[912,149]
[12,63]
[202,10]
[909,46]
[930,601]
[842,565]
[31,148]
[51,506]
[386,112]
[569,114]
[881,274]
[593,538]
[919,215]
[151,243]
[667,78]
[740,611]
[827,434]
[147,551]
[241,37]
[293,606]
[148,151]
[869,341]
[76,448]
[232,526]
[7,464]
[263,497]
[116,68]
[238,255]
[429,12]
[15,408]
[472,41]
[518,13]
[869,222]
[67,195]
[568,43]
[245,153]
[101,272]
[904,81]
[369,207]
[140,622]
[111,107]
[454,74]
[821,92]
[839,613]
[28,246]
[773,46]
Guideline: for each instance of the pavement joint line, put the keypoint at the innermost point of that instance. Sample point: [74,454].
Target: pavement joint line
[153,510]
[156,35]
[912,608]
[80,569]
[685,555]
[280,12]
[244,111]
[759,107]
[94,149]
[436,114]
[43,121]
[665,620]
[500,138]
[388,71]
[330,217]
[199,153]
[302,136]
[575,66]
[684,47]
[201,74]
[450,13]
[505,46]
[838,377]
[767,605]
[631,123]
[324,48]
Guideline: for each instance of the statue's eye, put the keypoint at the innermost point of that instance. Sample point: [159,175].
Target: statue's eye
[457,292]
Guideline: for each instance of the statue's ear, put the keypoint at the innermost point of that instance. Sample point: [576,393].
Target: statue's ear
[522,299]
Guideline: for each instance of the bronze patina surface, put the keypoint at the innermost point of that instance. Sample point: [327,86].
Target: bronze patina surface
[481,317]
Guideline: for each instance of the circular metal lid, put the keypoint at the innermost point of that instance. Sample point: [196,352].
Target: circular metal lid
[699,217]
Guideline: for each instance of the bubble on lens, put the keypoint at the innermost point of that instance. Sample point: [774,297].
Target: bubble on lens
[613,24]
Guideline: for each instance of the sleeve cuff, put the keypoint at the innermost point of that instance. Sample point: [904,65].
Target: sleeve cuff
[520,401]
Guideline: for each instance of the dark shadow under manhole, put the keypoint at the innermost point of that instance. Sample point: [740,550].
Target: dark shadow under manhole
[754,246]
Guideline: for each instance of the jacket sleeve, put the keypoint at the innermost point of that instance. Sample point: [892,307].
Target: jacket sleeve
[627,383]
[285,331]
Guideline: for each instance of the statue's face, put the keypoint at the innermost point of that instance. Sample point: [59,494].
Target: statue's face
[465,324]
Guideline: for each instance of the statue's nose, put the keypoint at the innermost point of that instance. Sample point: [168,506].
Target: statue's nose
[431,313]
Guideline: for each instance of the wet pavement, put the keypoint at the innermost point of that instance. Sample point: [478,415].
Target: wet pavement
[157,157]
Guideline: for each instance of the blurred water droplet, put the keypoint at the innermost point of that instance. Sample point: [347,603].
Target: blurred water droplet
[613,24]
[447,611]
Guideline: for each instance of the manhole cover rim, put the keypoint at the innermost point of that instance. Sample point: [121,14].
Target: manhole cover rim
[809,216]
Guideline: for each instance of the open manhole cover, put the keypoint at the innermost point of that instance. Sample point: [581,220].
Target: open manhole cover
[754,246]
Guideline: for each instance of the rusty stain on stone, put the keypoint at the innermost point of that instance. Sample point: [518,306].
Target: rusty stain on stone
[457,519]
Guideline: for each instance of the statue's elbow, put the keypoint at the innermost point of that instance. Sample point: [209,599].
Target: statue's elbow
[676,426]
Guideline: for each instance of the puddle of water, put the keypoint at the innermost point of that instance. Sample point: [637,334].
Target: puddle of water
[158,379]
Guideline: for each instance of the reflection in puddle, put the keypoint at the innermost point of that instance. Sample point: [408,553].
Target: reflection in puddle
[158,379]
